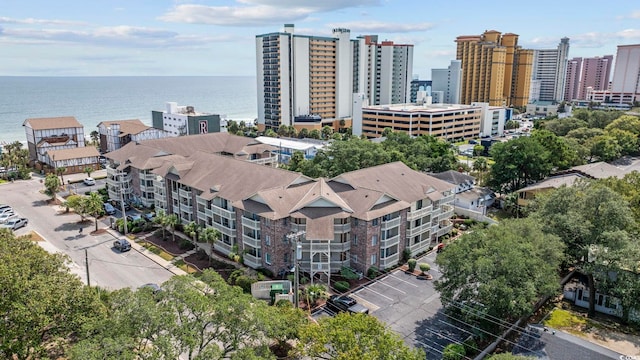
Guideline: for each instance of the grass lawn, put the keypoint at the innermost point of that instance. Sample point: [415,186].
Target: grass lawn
[185,267]
[565,320]
[34,236]
[156,250]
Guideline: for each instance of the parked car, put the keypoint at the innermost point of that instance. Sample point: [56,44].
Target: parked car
[342,303]
[4,207]
[472,141]
[134,217]
[15,223]
[5,210]
[122,245]
[117,205]
[89,181]
[149,216]
[6,216]
[109,209]
[155,288]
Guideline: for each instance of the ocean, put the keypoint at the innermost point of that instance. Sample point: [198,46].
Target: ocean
[92,100]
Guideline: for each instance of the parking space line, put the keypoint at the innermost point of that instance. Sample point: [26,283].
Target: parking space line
[394,288]
[375,292]
[404,281]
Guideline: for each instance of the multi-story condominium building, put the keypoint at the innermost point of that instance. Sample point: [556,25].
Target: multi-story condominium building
[625,86]
[448,81]
[572,82]
[494,69]
[446,121]
[117,133]
[550,68]
[419,85]
[184,120]
[361,219]
[594,74]
[137,183]
[303,79]
[59,142]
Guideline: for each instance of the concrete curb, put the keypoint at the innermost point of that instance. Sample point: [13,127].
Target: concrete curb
[148,254]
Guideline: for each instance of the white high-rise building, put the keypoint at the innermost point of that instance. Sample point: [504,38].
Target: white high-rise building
[550,69]
[303,80]
[625,86]
[448,81]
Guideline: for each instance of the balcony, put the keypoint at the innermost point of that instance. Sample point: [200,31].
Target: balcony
[415,231]
[184,193]
[222,247]
[252,261]
[338,265]
[316,247]
[341,228]
[389,261]
[412,215]
[298,227]
[222,212]
[447,212]
[390,224]
[249,241]
[250,223]
[390,241]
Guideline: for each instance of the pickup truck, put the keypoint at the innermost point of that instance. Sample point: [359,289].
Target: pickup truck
[342,303]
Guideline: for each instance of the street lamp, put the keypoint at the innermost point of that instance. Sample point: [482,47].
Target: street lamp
[124,214]
[296,265]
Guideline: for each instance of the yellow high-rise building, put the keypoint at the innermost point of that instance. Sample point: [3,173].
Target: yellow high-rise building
[494,69]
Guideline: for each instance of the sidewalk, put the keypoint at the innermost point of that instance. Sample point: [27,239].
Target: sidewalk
[153,257]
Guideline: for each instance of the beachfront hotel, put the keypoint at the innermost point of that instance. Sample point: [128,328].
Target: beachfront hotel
[308,81]
[361,219]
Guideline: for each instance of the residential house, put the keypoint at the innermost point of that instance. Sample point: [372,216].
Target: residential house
[117,133]
[467,195]
[361,219]
[286,147]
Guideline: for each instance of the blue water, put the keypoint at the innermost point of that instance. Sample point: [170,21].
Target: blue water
[94,99]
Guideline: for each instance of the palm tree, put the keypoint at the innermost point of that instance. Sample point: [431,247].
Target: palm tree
[51,184]
[480,165]
[161,219]
[191,229]
[94,206]
[172,221]
[210,235]
[94,137]
[60,171]
[88,170]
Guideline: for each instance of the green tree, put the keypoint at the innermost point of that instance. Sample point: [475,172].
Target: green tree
[511,124]
[606,148]
[628,123]
[303,133]
[454,351]
[51,185]
[270,133]
[480,165]
[314,134]
[506,268]
[191,229]
[95,136]
[518,163]
[93,206]
[561,127]
[60,172]
[172,222]
[326,132]
[161,219]
[357,336]
[627,141]
[41,302]
[509,356]
[587,216]
[564,156]
[77,203]
[88,170]
[210,235]
[629,188]
[232,127]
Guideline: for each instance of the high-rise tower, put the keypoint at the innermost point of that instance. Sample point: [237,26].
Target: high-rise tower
[550,68]
[494,69]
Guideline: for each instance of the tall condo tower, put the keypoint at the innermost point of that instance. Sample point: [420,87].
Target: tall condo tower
[315,77]
[494,69]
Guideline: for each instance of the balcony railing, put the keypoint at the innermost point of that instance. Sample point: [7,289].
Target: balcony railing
[412,215]
[390,241]
[389,261]
[341,228]
[250,223]
[252,261]
[414,231]
[316,247]
[298,227]
[447,212]
[222,247]
[249,241]
[184,193]
[223,212]
[390,224]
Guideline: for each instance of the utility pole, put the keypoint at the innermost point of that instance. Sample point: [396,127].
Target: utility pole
[124,214]
[86,261]
[298,256]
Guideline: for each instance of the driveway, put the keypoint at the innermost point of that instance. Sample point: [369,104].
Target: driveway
[107,267]
[412,308]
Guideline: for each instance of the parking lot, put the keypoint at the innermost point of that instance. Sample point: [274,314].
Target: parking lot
[412,308]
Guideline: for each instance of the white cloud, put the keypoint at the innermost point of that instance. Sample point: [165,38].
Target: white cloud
[382,27]
[31,21]
[257,12]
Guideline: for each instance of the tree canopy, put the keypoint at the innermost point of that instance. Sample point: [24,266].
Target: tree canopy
[506,268]
[518,163]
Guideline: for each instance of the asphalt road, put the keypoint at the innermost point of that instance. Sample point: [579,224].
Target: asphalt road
[107,267]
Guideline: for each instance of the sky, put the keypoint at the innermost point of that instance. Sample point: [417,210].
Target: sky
[217,37]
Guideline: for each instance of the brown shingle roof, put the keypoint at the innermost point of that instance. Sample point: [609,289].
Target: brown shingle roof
[74,153]
[127,127]
[62,122]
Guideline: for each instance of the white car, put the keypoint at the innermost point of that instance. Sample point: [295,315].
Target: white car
[15,223]
[6,216]
[89,181]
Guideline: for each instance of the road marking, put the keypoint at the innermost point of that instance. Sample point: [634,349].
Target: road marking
[394,288]
[404,281]
[375,292]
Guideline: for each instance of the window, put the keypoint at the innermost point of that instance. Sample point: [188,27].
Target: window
[267,258]
[267,240]
[374,240]
[355,239]
[374,259]
[374,222]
